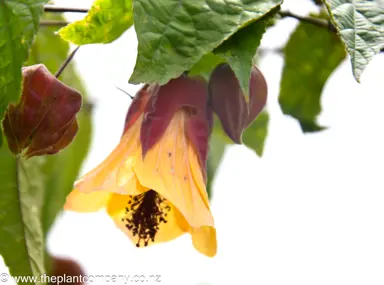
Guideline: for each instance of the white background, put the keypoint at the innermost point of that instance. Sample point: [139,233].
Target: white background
[310,211]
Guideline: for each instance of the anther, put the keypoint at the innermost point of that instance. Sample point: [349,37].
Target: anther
[144,214]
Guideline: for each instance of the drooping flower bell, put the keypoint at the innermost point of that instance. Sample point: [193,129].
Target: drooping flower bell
[153,184]
[44,120]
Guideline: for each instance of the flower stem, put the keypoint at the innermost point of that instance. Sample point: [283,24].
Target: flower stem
[66,62]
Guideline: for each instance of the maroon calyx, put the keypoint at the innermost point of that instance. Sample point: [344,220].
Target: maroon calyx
[185,92]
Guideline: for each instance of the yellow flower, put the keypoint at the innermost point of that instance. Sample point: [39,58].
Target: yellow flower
[153,183]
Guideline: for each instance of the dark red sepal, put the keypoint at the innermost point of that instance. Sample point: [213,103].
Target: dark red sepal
[228,101]
[166,100]
[198,132]
[137,107]
[258,92]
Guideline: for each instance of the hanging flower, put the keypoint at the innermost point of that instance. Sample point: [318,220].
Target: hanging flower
[153,184]
[44,120]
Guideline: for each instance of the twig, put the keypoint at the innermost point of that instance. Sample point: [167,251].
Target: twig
[58,9]
[65,63]
[317,22]
[53,23]
[284,14]
[310,20]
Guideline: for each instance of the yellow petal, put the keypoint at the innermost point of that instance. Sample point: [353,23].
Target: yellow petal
[197,174]
[126,178]
[172,169]
[86,202]
[115,173]
[174,227]
[204,240]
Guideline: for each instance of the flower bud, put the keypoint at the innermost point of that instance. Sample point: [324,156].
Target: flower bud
[44,120]
[228,101]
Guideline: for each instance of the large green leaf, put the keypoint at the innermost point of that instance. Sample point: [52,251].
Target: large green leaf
[174,34]
[360,24]
[19,21]
[21,198]
[311,55]
[104,23]
[240,49]
[254,136]
[61,169]
[206,65]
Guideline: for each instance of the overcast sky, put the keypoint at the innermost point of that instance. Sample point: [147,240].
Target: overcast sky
[310,211]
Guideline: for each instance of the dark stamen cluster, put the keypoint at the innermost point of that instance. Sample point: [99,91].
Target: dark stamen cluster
[144,214]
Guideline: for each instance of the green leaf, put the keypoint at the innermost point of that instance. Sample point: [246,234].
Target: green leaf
[21,197]
[311,55]
[360,24]
[104,23]
[217,144]
[63,168]
[254,136]
[240,49]
[174,34]
[19,21]
[205,65]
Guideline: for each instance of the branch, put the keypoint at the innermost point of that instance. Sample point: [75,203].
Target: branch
[53,23]
[283,14]
[58,9]
[66,62]
[317,22]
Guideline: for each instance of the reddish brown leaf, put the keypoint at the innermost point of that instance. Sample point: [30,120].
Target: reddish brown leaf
[44,120]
